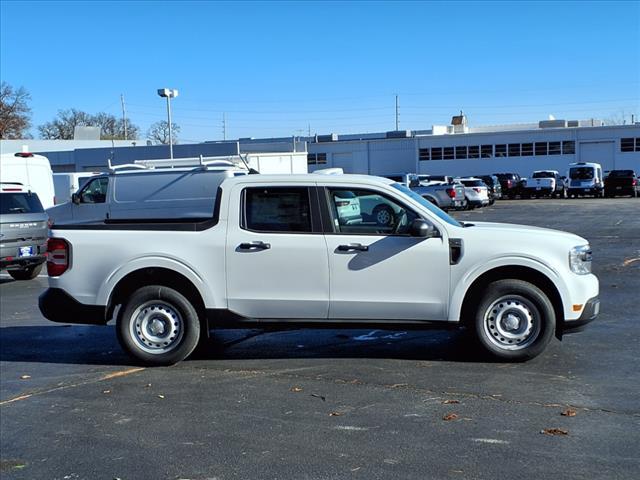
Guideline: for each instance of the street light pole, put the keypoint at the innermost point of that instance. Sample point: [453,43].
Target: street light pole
[169,93]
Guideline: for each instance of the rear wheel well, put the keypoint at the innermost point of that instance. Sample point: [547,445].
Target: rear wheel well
[540,280]
[156,276]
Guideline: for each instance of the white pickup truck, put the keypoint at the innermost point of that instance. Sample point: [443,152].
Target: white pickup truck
[544,183]
[308,251]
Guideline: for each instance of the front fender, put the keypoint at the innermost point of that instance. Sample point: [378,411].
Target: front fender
[460,286]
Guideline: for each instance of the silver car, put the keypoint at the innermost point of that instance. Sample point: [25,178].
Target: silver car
[23,233]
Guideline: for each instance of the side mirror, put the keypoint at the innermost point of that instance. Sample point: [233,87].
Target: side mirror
[422,228]
[75,198]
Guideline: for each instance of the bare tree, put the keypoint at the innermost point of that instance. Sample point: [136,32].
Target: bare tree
[158,132]
[62,127]
[15,113]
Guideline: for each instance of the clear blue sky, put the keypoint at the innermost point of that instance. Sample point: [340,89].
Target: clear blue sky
[277,67]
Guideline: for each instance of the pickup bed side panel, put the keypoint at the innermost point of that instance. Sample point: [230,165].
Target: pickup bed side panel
[101,258]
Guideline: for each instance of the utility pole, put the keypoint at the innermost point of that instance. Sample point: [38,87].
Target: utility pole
[397,114]
[224,126]
[309,130]
[124,117]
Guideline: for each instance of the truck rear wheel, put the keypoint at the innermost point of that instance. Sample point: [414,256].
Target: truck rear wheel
[515,320]
[158,326]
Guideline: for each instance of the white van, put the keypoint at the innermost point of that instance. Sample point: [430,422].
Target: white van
[32,171]
[152,194]
[585,179]
[66,184]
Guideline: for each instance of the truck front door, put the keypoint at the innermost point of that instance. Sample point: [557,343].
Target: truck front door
[378,271]
[276,253]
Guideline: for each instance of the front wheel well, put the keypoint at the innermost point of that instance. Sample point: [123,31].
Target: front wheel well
[155,276]
[540,280]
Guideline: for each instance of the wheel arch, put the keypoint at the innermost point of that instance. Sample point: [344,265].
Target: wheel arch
[519,272]
[156,276]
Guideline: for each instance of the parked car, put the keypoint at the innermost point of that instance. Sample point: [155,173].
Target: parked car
[493,183]
[511,184]
[621,182]
[444,195]
[23,232]
[280,250]
[476,192]
[144,193]
[544,183]
[585,179]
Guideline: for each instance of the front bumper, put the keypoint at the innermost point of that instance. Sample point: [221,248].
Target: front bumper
[589,314]
[538,191]
[584,191]
[58,306]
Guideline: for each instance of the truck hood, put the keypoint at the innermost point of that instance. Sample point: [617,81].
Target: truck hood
[493,228]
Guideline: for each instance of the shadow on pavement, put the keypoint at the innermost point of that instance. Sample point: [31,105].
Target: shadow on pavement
[97,345]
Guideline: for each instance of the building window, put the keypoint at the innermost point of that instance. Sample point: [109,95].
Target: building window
[568,147]
[474,151]
[501,151]
[448,153]
[321,158]
[626,144]
[436,153]
[423,154]
[527,149]
[514,149]
[637,144]
[541,148]
[461,153]
[311,158]
[554,148]
[486,151]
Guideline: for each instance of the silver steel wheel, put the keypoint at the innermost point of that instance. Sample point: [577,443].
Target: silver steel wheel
[156,327]
[383,217]
[512,323]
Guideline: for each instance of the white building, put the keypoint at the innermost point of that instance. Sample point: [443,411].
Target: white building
[460,150]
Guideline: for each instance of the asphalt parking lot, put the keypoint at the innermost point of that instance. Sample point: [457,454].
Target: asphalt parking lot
[325,404]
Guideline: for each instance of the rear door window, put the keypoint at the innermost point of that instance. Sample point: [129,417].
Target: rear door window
[277,209]
[19,202]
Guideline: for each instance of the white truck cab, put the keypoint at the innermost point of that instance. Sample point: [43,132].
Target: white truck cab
[310,250]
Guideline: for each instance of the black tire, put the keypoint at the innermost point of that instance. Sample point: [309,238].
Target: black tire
[28,273]
[531,316]
[158,326]
[384,215]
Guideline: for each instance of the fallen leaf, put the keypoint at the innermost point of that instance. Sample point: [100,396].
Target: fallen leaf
[295,389]
[318,396]
[629,261]
[106,391]
[448,402]
[554,431]
[569,412]
[25,377]
[355,469]
[148,385]
[450,416]
[335,414]
[398,385]
[160,396]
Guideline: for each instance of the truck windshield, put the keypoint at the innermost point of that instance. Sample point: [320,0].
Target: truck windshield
[426,204]
[581,173]
[19,202]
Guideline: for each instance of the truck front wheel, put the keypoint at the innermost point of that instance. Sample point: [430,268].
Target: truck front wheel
[515,320]
[158,326]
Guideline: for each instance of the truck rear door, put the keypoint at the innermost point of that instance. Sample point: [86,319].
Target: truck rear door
[276,254]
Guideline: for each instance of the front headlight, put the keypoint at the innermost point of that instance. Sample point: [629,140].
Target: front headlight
[580,259]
